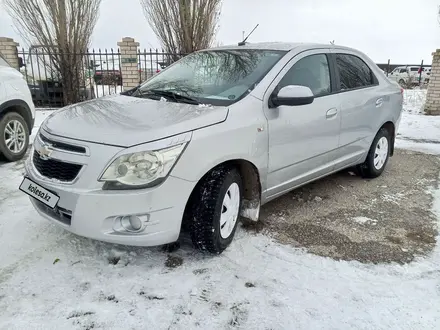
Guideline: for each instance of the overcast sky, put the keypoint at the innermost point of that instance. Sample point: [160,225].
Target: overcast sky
[405,31]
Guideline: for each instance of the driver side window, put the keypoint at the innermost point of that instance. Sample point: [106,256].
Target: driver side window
[311,71]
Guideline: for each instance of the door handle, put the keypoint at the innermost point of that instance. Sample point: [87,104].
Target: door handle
[331,113]
[379,102]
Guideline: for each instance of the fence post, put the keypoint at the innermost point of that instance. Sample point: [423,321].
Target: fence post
[432,104]
[129,63]
[8,48]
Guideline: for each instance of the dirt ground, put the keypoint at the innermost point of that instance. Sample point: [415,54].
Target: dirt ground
[345,217]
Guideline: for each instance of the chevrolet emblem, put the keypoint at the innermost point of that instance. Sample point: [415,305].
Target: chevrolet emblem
[45,151]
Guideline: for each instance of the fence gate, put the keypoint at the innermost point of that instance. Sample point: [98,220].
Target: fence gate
[96,73]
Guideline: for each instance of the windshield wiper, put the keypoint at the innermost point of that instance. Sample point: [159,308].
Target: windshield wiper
[169,94]
[131,92]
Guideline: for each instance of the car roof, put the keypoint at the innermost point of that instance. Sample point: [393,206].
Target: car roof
[282,46]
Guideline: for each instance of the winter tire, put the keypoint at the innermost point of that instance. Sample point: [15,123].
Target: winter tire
[14,136]
[378,155]
[214,209]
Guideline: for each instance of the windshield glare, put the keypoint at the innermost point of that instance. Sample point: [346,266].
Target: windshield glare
[217,77]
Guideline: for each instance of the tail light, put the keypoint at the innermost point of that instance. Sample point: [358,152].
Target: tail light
[157,71]
[401,91]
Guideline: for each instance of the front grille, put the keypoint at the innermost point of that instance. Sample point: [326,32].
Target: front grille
[63,146]
[55,169]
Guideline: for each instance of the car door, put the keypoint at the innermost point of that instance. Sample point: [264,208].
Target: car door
[393,74]
[302,139]
[360,99]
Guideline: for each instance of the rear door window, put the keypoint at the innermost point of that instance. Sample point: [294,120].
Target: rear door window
[354,73]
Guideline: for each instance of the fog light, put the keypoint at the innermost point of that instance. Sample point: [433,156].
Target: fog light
[131,223]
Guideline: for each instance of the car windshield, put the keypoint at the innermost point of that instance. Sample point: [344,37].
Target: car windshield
[216,77]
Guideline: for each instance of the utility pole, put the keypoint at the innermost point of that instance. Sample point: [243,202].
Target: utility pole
[243,35]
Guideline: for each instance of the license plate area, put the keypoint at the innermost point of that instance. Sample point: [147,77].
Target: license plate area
[39,193]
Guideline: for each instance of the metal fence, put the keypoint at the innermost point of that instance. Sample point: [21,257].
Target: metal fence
[389,67]
[99,72]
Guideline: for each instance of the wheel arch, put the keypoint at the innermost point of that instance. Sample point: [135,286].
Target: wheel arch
[250,206]
[20,107]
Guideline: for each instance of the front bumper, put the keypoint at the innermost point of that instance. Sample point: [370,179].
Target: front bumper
[95,213]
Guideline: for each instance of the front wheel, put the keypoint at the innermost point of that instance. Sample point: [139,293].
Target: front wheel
[214,209]
[14,136]
[378,155]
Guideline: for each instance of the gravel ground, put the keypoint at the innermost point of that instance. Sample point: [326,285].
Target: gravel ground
[345,217]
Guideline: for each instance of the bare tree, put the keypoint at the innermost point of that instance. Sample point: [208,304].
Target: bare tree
[63,29]
[183,26]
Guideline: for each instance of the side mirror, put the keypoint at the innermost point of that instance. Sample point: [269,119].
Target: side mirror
[293,95]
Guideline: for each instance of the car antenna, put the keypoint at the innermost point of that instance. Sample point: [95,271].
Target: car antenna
[242,43]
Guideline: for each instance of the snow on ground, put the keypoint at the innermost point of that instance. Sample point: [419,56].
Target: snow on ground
[103,90]
[255,284]
[417,131]
[413,100]
[50,279]
[365,220]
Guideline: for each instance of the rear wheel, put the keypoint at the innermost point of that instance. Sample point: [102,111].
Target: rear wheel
[378,155]
[214,209]
[14,136]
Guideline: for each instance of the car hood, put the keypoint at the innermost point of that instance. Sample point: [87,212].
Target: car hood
[126,121]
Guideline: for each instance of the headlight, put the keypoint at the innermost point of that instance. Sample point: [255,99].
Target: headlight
[141,169]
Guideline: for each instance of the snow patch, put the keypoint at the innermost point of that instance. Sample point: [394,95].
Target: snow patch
[364,220]
[104,90]
[393,198]
[414,100]
[417,131]
[209,106]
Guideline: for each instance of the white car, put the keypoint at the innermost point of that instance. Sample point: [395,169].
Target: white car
[17,112]
[405,75]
